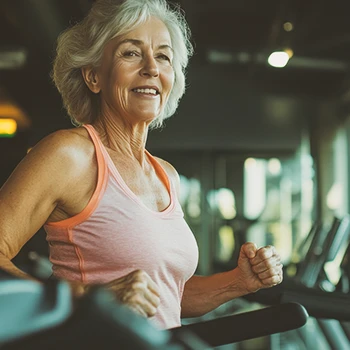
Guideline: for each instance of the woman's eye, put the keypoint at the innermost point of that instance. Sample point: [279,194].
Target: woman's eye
[164,57]
[130,53]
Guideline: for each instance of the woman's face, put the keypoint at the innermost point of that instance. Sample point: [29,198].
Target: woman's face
[136,74]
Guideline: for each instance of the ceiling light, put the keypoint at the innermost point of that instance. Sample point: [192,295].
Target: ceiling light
[9,110]
[288,26]
[8,127]
[279,59]
[274,166]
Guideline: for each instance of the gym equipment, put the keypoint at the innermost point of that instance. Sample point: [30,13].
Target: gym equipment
[325,249]
[44,316]
[325,298]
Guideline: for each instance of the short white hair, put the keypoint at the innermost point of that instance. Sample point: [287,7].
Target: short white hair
[82,45]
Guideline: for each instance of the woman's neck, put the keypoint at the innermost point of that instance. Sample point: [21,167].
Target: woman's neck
[123,138]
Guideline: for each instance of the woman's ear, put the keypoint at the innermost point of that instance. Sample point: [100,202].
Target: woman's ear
[91,79]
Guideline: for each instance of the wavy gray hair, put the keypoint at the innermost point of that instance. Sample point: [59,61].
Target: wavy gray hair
[82,45]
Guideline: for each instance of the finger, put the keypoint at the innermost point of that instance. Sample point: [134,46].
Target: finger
[248,250]
[152,286]
[265,253]
[272,281]
[152,298]
[149,289]
[139,302]
[137,290]
[275,271]
[267,264]
[144,278]
[147,307]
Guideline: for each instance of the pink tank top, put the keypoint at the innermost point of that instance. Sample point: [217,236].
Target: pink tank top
[117,233]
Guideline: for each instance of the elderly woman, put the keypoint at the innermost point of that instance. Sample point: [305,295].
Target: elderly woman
[110,208]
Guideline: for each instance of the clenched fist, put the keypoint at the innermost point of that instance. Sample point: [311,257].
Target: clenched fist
[259,268]
[137,291]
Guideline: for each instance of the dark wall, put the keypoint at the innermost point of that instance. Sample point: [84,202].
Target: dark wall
[222,111]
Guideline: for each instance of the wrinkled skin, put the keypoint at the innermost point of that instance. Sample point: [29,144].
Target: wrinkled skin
[137,291]
[259,268]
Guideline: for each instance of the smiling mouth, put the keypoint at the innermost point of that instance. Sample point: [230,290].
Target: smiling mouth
[151,92]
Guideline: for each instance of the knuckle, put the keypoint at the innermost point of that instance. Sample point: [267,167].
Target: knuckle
[123,298]
[139,274]
[135,299]
[262,275]
[255,269]
[276,279]
[137,286]
[152,311]
[263,252]
[157,301]
[268,264]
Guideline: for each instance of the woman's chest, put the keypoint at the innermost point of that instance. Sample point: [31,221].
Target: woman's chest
[144,183]
[139,239]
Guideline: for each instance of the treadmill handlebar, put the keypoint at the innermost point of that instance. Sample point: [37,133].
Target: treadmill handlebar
[249,325]
[319,304]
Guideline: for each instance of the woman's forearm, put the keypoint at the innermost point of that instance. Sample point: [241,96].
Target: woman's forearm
[256,269]
[205,293]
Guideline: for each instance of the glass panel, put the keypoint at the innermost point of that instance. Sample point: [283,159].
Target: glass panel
[231,199]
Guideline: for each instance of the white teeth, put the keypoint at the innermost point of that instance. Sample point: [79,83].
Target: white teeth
[146,91]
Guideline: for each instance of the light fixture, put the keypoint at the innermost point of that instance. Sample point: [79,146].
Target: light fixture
[274,166]
[288,26]
[14,58]
[8,127]
[10,111]
[279,59]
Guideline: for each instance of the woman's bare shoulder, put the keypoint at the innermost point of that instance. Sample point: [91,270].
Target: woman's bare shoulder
[56,173]
[76,138]
[169,168]
[65,145]
[171,172]
[63,154]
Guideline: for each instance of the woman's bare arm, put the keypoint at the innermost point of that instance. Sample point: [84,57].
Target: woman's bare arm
[45,178]
[257,269]
[203,294]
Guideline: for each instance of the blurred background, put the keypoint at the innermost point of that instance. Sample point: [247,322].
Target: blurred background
[261,137]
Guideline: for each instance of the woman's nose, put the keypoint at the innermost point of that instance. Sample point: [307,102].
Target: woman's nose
[150,67]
